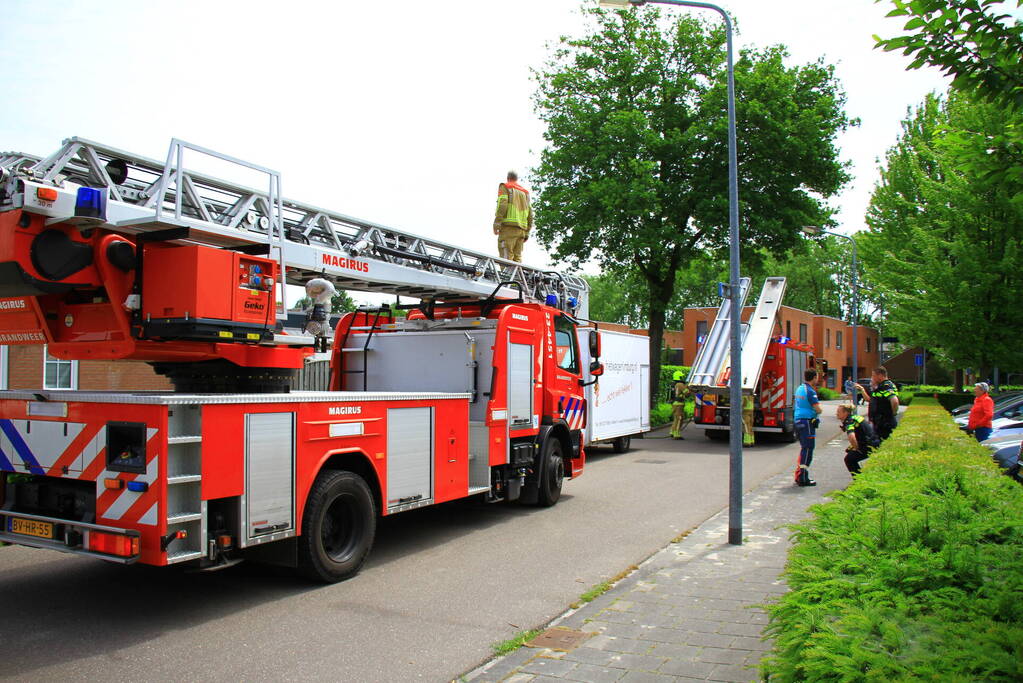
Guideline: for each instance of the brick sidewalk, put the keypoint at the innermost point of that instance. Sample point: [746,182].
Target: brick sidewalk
[688,611]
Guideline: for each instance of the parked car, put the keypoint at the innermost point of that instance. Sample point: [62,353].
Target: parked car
[1000,399]
[1006,426]
[1010,409]
[1005,451]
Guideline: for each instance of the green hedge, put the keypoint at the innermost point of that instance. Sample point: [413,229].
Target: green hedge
[664,382]
[912,573]
[825,394]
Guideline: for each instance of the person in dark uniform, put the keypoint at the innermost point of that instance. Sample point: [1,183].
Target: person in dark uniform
[883,398]
[862,437]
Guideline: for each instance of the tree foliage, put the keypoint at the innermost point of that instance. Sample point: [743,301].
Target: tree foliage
[635,169]
[339,303]
[981,49]
[944,243]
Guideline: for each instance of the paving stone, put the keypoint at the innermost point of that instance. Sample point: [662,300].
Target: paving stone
[719,655]
[675,651]
[589,655]
[520,678]
[548,667]
[616,644]
[635,662]
[686,667]
[588,673]
[734,674]
[701,625]
[646,677]
[746,643]
[752,630]
[708,639]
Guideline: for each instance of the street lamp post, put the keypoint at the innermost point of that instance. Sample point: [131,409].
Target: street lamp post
[815,230]
[735,377]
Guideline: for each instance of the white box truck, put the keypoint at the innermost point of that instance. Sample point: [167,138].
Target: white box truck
[619,404]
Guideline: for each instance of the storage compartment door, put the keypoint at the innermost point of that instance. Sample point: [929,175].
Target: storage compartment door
[269,472]
[409,457]
[520,385]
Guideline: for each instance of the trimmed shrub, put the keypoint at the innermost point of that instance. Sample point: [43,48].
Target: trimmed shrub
[665,382]
[660,415]
[912,573]
[906,397]
[825,394]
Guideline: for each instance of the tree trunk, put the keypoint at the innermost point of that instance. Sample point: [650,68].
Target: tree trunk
[657,309]
[958,388]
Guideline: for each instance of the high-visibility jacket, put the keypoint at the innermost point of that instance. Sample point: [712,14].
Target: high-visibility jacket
[513,208]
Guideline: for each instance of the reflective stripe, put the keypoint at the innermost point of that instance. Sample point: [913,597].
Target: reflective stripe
[21,447]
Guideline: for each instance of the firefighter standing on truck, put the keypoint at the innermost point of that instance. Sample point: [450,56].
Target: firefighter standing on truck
[514,218]
[679,395]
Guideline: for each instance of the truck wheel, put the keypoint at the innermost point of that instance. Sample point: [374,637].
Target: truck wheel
[552,473]
[789,437]
[338,527]
[621,444]
[716,434]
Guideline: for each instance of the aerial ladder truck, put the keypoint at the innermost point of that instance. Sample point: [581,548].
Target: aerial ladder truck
[478,390]
[772,367]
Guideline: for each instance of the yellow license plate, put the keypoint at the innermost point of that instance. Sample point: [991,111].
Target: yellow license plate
[30,527]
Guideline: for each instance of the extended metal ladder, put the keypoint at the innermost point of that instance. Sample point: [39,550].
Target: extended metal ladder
[760,330]
[146,195]
[712,360]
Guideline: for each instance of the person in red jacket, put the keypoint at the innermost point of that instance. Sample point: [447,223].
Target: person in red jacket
[981,413]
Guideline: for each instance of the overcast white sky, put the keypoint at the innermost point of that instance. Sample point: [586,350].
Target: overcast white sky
[407,113]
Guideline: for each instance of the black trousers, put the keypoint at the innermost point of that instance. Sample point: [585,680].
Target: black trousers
[853,460]
[883,428]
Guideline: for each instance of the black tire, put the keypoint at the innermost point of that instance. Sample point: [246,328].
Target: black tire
[338,527]
[552,473]
[789,437]
[621,444]
[716,434]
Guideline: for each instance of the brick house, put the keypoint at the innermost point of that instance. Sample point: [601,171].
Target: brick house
[28,367]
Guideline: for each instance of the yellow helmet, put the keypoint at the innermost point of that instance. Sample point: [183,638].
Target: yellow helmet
[677,377]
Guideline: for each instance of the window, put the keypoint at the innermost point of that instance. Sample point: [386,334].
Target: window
[832,378]
[827,338]
[59,374]
[802,332]
[838,339]
[701,331]
[788,329]
[866,340]
[3,367]
[564,345]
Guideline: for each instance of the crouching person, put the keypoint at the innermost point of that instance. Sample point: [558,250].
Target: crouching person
[862,437]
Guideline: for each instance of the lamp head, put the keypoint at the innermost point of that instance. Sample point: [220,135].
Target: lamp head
[812,229]
[620,4]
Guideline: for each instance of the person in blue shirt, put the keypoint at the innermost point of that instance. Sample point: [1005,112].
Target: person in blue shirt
[807,408]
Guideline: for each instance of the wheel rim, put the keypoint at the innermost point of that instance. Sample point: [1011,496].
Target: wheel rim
[341,528]
[555,471]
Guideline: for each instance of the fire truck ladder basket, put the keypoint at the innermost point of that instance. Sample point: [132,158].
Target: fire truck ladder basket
[146,195]
[364,349]
[761,328]
[712,359]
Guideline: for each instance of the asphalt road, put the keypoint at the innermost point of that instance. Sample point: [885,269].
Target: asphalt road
[441,585]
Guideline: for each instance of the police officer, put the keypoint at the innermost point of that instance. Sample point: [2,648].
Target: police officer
[883,398]
[679,396]
[862,437]
[807,408]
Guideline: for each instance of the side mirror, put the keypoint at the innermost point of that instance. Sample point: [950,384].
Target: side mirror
[594,345]
[596,368]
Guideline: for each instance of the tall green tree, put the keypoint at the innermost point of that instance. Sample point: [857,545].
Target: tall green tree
[944,244]
[635,169]
[973,41]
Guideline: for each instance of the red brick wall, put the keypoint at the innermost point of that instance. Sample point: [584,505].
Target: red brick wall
[25,371]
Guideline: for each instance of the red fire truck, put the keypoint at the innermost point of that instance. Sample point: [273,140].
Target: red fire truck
[772,367]
[478,390]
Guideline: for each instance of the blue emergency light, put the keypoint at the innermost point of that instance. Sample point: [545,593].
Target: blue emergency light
[784,340]
[572,302]
[91,202]
[551,300]
[138,486]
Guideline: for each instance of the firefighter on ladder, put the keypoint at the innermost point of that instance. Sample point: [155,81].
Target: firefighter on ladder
[514,218]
